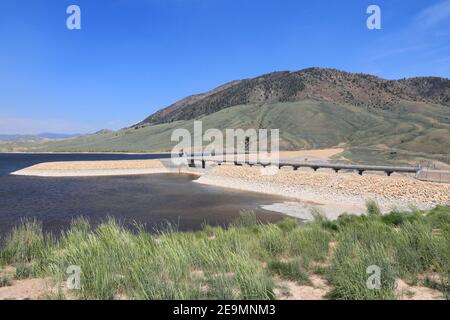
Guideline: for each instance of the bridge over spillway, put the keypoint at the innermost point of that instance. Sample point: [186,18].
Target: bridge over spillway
[313,165]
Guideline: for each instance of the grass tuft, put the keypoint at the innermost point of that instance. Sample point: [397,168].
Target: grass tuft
[372,208]
[25,243]
[5,281]
[247,218]
[289,270]
[23,271]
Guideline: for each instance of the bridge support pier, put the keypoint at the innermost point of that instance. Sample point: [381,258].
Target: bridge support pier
[360,169]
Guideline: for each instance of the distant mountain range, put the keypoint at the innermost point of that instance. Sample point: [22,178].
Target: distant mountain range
[373,119]
[41,136]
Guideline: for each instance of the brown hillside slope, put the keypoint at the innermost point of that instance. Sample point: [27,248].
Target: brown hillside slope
[328,85]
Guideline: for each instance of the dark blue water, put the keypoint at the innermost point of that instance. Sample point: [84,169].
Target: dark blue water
[153,200]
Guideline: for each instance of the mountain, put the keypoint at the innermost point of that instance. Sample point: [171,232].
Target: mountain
[104,131]
[374,119]
[314,83]
[41,136]
[16,137]
[47,135]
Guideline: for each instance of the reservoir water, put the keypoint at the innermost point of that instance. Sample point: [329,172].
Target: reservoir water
[153,200]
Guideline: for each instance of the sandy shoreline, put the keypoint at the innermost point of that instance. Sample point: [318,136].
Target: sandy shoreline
[94,168]
[89,173]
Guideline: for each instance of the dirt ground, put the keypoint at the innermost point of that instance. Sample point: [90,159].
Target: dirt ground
[28,289]
[323,154]
[290,290]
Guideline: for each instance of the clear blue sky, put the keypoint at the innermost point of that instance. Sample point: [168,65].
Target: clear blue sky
[133,57]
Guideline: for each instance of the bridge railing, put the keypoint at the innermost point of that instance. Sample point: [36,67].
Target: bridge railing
[296,165]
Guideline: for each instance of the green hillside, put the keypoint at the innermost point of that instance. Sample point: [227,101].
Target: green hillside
[407,132]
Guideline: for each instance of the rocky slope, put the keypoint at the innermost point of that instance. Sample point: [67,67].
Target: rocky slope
[315,83]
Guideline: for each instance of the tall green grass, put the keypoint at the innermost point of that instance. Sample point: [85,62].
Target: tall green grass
[242,261]
[25,243]
[404,245]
